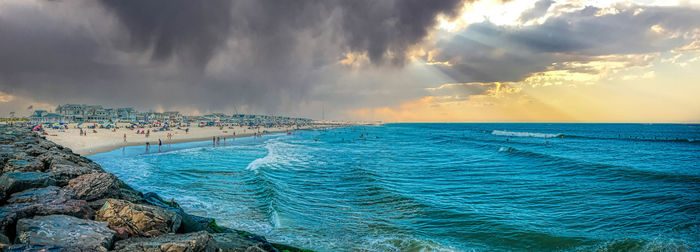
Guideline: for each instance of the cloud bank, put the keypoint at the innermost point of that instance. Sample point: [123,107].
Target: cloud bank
[295,57]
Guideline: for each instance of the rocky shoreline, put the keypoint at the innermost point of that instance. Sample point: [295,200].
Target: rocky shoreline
[55,200]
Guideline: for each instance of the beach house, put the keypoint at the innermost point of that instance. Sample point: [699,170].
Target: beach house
[42,116]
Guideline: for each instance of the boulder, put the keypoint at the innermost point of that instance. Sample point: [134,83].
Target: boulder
[138,220]
[23,164]
[10,214]
[41,195]
[13,182]
[41,201]
[64,172]
[233,242]
[77,208]
[190,223]
[97,204]
[4,242]
[95,186]
[129,194]
[52,157]
[7,152]
[194,242]
[67,231]
[46,144]
[64,156]
[7,138]
[34,150]
[26,141]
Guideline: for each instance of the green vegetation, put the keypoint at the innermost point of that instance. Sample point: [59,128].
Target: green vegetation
[216,228]
[287,248]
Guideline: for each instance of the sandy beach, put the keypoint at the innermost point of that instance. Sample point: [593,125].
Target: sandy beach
[106,139]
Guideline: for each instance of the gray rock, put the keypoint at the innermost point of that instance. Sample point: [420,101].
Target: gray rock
[138,220]
[129,194]
[13,182]
[56,156]
[25,142]
[63,172]
[97,204]
[41,195]
[10,214]
[190,223]
[42,201]
[67,231]
[4,242]
[24,164]
[192,242]
[95,186]
[233,242]
[46,144]
[34,150]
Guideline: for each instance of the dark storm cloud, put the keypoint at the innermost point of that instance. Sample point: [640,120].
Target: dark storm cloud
[378,27]
[192,29]
[196,28]
[485,52]
[265,56]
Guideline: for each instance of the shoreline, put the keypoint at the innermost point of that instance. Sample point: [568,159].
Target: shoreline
[54,199]
[106,140]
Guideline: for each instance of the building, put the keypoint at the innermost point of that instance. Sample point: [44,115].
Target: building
[126,114]
[42,116]
[86,113]
[96,113]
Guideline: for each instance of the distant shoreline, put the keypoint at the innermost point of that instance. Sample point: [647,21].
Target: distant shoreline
[106,140]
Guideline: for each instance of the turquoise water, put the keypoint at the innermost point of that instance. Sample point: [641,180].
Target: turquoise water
[451,187]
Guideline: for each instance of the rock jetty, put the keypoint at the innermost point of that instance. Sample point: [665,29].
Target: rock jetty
[52,199]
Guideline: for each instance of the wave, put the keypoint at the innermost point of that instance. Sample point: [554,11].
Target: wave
[524,134]
[403,243]
[274,158]
[613,170]
[644,245]
[635,139]
[506,149]
[560,135]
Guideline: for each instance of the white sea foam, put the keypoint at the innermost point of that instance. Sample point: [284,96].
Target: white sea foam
[275,218]
[278,155]
[404,243]
[506,149]
[523,134]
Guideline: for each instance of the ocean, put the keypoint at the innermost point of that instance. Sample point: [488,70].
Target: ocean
[441,187]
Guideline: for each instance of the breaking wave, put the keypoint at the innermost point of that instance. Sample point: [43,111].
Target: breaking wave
[524,134]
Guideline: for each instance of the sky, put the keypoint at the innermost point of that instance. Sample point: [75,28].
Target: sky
[389,60]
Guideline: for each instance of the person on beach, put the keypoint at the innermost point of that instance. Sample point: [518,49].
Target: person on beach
[213,140]
[160,144]
[148,144]
[124,137]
